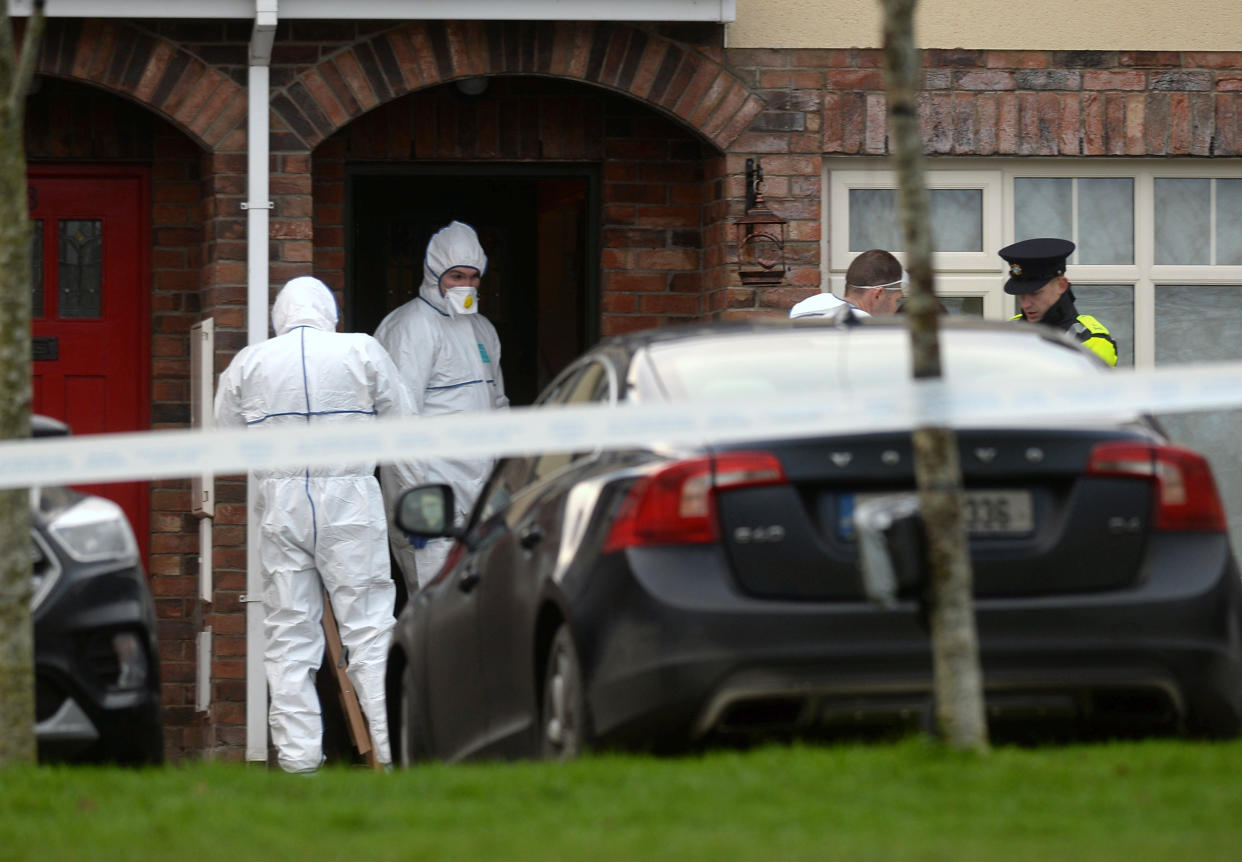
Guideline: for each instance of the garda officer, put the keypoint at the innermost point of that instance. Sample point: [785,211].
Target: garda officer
[1037,278]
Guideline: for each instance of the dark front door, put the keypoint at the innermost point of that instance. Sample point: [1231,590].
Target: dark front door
[89,309]
[536,228]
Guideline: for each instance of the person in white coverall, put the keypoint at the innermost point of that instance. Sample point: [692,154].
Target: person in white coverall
[449,357]
[318,527]
[874,284]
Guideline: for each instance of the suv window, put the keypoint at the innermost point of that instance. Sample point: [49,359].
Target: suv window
[592,384]
[586,383]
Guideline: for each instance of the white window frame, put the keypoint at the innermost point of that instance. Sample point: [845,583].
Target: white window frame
[987,182]
[972,274]
[983,274]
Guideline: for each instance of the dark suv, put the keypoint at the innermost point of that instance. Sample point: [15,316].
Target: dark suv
[96,659]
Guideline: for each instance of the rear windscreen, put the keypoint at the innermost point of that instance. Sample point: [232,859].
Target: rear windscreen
[801,362]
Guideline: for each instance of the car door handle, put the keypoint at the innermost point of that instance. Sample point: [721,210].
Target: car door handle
[530,537]
[468,581]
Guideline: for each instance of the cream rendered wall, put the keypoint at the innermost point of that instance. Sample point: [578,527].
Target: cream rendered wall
[1065,25]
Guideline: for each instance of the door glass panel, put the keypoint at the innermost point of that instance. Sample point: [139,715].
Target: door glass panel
[1042,207]
[1113,306]
[581,391]
[1229,222]
[971,306]
[956,217]
[1105,221]
[36,269]
[505,483]
[80,291]
[1183,221]
[873,220]
[1203,323]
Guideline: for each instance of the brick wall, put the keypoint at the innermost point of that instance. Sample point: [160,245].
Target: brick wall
[222,284]
[176,264]
[983,103]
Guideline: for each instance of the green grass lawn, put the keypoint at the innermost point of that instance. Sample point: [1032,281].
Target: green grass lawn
[908,801]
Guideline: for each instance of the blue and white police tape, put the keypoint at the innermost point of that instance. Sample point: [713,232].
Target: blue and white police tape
[1002,402]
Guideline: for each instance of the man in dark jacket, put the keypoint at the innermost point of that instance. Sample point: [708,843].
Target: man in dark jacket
[1037,278]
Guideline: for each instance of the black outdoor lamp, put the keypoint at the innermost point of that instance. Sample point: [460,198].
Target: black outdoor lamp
[761,235]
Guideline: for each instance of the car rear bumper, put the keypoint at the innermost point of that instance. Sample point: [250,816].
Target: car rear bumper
[683,654]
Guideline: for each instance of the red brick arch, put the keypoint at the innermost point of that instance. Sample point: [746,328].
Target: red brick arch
[681,82]
[201,101]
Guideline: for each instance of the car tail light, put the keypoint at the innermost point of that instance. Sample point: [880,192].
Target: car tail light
[676,505]
[1186,496]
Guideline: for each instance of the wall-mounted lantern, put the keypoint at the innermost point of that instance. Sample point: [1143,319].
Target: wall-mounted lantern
[761,235]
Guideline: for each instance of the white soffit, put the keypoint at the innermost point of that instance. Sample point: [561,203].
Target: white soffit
[718,11]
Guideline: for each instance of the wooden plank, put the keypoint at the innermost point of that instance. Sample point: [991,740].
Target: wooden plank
[359,731]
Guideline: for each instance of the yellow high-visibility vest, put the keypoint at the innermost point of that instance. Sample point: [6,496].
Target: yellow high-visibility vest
[1093,335]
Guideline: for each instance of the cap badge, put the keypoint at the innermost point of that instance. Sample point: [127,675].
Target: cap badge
[1015,270]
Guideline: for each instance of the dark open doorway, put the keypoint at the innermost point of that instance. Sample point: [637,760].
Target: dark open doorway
[539,228]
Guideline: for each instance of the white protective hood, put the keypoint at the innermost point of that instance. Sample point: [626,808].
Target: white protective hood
[455,244]
[304,301]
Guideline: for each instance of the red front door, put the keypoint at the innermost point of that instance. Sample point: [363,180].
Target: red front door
[90,309]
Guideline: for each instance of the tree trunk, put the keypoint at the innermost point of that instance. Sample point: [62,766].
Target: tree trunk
[17,701]
[955,649]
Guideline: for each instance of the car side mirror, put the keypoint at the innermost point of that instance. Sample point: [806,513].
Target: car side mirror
[46,426]
[427,511]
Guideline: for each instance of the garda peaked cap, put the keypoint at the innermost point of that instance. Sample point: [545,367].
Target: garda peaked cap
[1035,262]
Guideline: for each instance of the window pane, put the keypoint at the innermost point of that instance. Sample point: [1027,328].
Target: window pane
[36,269]
[1198,323]
[1183,221]
[1042,207]
[957,219]
[1105,221]
[1229,222]
[963,305]
[80,291]
[587,383]
[1113,306]
[1202,324]
[873,220]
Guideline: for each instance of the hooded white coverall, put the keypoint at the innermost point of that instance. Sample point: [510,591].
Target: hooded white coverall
[824,305]
[321,523]
[450,363]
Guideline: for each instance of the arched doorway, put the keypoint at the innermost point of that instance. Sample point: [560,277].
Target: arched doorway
[112,188]
[589,204]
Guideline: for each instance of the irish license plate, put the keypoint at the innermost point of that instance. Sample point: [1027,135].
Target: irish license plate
[987,513]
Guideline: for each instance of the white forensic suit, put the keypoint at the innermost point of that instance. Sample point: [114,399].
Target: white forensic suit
[450,362]
[824,305]
[319,527]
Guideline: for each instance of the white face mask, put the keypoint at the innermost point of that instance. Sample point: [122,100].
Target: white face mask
[463,300]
